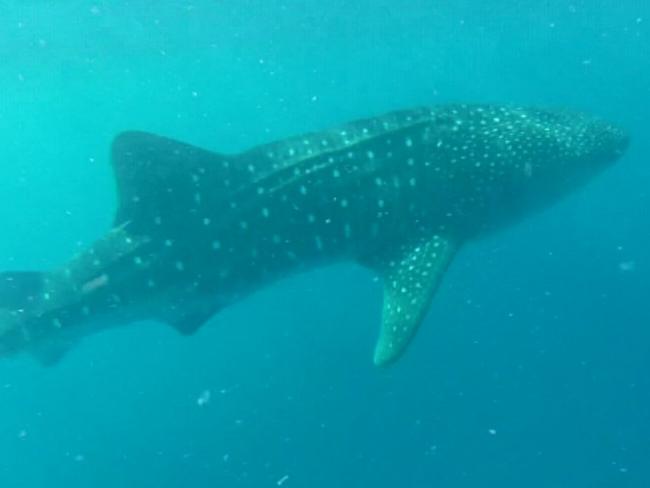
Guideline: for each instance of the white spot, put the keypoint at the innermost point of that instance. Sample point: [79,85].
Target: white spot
[265,212]
[303,190]
[319,243]
[408,142]
[216,245]
[528,169]
[370,154]
[57,323]
[206,221]
[169,243]
[204,398]
[180,266]
[95,283]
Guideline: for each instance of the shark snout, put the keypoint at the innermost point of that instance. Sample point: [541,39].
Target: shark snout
[611,140]
[622,142]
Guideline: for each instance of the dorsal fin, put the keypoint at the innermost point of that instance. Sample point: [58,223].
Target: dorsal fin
[159,179]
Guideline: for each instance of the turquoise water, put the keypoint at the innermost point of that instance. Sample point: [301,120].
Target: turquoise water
[531,369]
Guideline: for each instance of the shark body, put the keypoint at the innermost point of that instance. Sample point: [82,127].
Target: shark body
[401,193]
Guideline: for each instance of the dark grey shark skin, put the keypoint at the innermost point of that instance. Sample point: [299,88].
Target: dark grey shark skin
[401,193]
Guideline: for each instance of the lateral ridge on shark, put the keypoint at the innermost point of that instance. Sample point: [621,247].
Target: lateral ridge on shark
[196,231]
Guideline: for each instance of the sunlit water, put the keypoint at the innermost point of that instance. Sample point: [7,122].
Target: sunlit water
[531,369]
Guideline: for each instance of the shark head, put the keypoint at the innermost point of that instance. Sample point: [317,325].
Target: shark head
[506,162]
[564,151]
[576,146]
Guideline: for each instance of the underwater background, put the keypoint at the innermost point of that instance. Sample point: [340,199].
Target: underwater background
[532,367]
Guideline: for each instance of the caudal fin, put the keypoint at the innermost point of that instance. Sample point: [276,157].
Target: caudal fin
[19,292]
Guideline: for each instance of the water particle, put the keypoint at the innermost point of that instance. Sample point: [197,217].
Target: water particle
[627,266]
[204,398]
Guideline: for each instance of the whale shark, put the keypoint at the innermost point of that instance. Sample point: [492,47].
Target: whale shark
[196,231]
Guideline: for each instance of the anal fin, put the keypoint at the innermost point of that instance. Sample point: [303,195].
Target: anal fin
[51,352]
[189,322]
[411,275]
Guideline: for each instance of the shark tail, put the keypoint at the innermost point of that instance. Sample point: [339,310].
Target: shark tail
[19,293]
[20,290]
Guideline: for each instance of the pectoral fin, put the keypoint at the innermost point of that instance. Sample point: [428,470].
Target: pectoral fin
[411,278]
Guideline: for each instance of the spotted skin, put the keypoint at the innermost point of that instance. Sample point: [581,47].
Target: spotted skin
[196,231]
